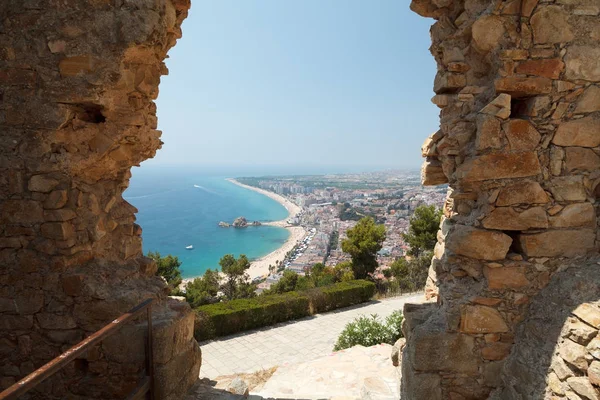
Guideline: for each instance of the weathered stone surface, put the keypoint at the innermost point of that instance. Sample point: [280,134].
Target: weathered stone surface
[53,321]
[568,188]
[58,230]
[238,386]
[594,373]
[582,386]
[499,166]
[581,159]
[506,277]
[560,368]
[547,68]
[523,87]
[478,243]
[550,25]
[578,214]
[25,211]
[581,132]
[594,348]
[507,219]
[583,62]
[449,352]
[574,354]
[496,351]
[489,135]
[42,183]
[589,314]
[557,243]
[56,199]
[580,332]
[488,33]
[481,319]
[589,100]
[526,192]
[521,135]
[499,107]
[71,66]
[432,173]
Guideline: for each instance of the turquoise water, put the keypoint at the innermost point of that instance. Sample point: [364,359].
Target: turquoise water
[174,213]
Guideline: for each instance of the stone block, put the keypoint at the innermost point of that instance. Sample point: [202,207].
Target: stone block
[526,192]
[478,243]
[580,332]
[21,212]
[488,32]
[550,24]
[568,188]
[423,386]
[173,334]
[588,313]
[443,352]
[583,387]
[499,166]
[547,68]
[580,133]
[523,87]
[573,215]
[42,183]
[507,219]
[499,107]
[581,159]
[432,173]
[72,66]
[583,62]
[56,199]
[176,376]
[496,351]
[64,214]
[55,321]
[492,373]
[589,101]
[481,319]
[489,135]
[505,278]
[58,230]
[521,135]
[557,243]
[593,373]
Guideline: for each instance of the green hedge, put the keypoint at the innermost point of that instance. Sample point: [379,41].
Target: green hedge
[233,316]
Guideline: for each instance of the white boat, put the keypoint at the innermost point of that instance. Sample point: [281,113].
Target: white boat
[190,247]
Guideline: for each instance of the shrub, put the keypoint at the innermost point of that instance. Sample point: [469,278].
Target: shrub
[370,331]
[238,315]
[233,316]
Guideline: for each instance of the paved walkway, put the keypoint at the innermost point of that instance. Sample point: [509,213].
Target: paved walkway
[288,343]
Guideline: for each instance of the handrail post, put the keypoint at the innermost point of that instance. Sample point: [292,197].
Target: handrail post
[150,361]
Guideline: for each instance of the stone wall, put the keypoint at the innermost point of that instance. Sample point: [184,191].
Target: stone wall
[77,84]
[519,145]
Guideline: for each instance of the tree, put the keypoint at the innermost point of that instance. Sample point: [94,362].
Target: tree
[363,243]
[287,283]
[411,274]
[203,290]
[236,285]
[168,268]
[320,275]
[422,231]
[343,271]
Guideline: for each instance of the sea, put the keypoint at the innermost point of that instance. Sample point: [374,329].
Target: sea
[179,207]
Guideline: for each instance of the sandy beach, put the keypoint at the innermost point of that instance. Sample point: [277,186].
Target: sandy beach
[260,267]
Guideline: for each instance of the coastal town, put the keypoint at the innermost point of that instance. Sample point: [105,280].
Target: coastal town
[323,208]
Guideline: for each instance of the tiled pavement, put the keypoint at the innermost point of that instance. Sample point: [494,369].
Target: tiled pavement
[288,343]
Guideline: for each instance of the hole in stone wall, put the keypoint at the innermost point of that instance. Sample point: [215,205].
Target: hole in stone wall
[520,107]
[89,112]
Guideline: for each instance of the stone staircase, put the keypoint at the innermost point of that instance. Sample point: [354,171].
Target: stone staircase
[361,373]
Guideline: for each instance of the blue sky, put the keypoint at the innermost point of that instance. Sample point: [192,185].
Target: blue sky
[331,83]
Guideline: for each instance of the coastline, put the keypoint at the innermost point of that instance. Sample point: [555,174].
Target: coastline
[260,266]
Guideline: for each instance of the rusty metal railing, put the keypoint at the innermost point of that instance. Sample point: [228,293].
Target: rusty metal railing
[146,386]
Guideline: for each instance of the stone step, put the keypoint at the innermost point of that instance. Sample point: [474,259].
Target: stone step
[355,373]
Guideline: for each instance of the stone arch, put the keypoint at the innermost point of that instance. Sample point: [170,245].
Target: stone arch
[517,146]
